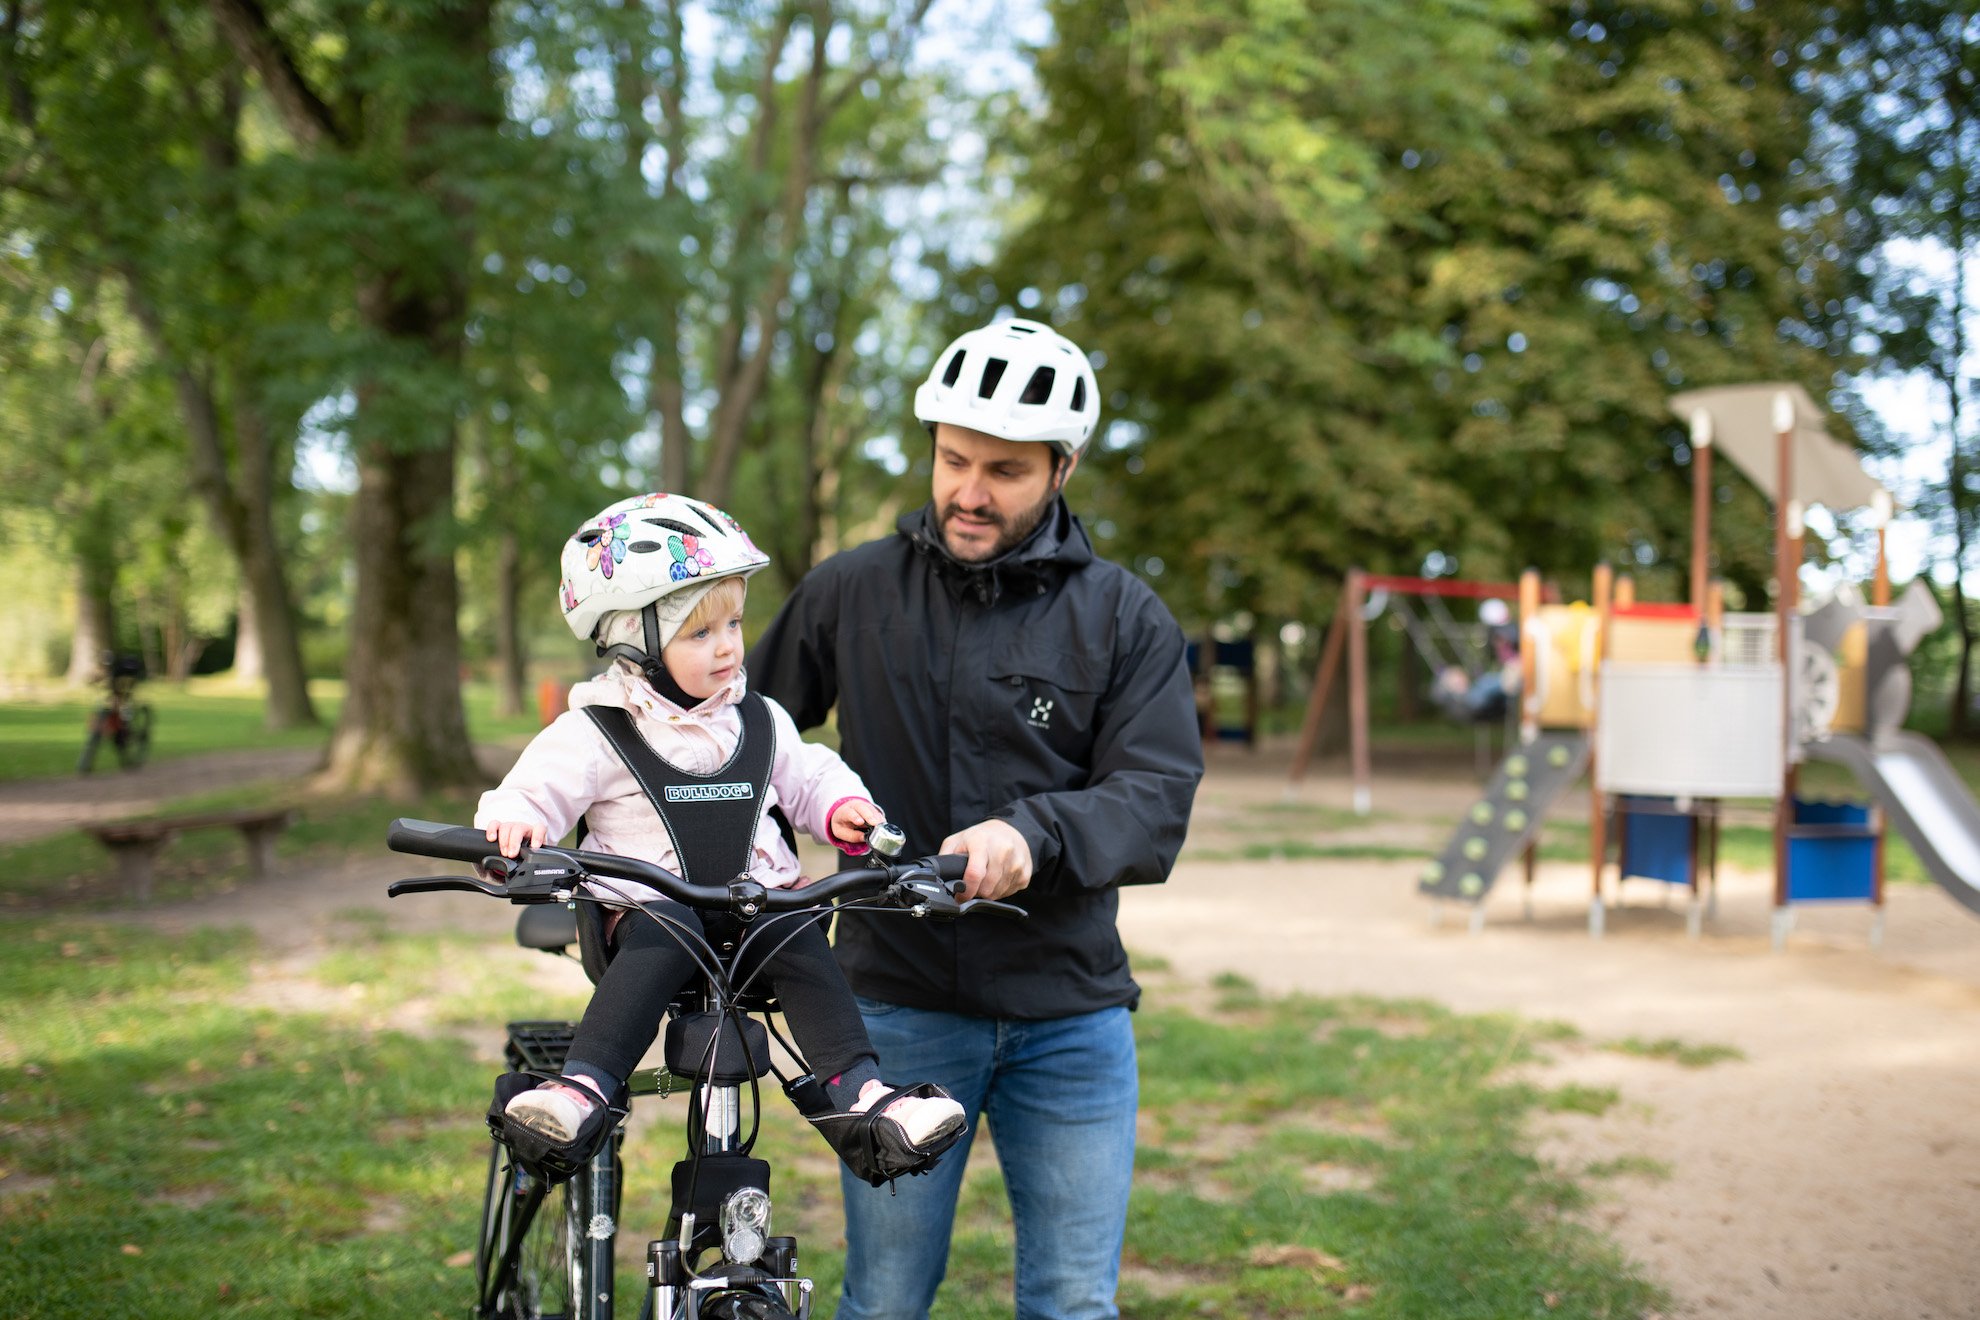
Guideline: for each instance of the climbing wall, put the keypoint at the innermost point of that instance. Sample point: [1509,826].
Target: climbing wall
[1499,825]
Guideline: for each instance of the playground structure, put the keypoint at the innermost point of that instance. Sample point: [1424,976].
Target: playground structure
[1437,636]
[1676,708]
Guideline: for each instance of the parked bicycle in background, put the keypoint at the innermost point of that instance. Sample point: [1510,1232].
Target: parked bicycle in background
[122,720]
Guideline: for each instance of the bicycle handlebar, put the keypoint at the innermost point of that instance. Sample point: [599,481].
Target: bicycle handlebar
[538,873]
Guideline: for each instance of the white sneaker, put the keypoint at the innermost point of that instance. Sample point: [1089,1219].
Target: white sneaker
[922,1119]
[554,1110]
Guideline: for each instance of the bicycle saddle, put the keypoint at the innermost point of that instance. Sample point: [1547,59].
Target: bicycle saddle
[551,927]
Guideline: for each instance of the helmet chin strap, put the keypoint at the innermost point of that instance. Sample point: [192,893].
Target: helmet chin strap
[650,664]
[648,661]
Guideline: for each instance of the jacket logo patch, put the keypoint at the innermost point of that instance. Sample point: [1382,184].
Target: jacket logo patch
[709,792]
[1041,713]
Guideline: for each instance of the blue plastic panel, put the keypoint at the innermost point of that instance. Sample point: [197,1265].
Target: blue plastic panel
[1656,845]
[1830,869]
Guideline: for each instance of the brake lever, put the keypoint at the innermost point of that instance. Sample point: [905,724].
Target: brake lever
[1001,909]
[435,884]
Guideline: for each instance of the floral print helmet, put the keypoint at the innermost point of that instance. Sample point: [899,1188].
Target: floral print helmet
[639,550]
[1021,380]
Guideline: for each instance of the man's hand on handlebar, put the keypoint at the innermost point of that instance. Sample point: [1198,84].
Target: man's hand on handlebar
[509,836]
[999,859]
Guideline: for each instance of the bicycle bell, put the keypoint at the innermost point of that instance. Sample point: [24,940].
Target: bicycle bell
[887,839]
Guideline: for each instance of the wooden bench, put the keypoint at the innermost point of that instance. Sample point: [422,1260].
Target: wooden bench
[135,843]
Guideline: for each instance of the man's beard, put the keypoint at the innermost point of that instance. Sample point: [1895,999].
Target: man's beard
[1010,531]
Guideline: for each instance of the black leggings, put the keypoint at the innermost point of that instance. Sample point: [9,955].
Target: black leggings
[649,967]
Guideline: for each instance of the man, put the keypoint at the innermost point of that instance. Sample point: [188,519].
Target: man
[1008,694]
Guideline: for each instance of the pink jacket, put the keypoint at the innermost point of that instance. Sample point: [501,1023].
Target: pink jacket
[569,770]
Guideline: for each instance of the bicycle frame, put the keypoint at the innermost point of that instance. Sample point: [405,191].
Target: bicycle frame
[589,1203]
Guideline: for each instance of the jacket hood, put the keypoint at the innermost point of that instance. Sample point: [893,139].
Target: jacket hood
[1056,546]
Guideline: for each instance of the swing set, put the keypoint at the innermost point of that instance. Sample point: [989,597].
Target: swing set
[1448,646]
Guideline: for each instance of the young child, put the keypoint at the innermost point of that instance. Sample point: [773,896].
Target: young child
[658,582]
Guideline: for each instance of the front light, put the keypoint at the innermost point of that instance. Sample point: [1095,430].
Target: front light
[745,1224]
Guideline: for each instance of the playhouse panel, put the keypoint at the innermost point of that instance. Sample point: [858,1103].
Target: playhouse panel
[1690,730]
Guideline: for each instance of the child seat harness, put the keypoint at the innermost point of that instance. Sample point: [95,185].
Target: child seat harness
[711,819]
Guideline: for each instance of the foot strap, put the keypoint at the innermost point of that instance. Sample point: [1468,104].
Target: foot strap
[552,1161]
[875,1147]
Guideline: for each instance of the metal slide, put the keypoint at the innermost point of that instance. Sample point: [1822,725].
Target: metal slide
[1926,799]
[1498,826]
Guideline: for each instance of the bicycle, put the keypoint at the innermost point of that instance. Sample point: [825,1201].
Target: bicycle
[533,1265]
[121,719]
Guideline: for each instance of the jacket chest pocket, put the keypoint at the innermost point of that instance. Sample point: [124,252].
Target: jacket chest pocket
[1050,699]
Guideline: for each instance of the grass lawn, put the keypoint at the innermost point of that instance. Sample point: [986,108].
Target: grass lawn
[176,1147]
[44,738]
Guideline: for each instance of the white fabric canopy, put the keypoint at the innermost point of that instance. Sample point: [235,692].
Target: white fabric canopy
[1824,470]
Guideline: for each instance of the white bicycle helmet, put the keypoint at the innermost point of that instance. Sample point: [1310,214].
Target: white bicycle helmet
[640,551]
[1017,379]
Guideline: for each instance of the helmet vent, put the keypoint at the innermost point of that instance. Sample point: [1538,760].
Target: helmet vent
[954,369]
[675,525]
[1079,396]
[1039,388]
[589,536]
[696,511]
[1016,329]
[993,371]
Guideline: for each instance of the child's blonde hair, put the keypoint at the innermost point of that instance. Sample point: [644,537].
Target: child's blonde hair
[721,600]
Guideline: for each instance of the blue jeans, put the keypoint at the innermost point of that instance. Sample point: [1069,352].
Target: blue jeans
[1060,1097]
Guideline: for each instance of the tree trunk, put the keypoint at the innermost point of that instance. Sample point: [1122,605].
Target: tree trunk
[512,661]
[248,666]
[1271,663]
[180,646]
[403,729]
[1958,723]
[288,705]
[818,478]
[151,642]
[243,513]
[96,630]
[666,396]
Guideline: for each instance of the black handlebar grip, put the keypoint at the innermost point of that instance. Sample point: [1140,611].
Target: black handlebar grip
[950,866]
[457,843]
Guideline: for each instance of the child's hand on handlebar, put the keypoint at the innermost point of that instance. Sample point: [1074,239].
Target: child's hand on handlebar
[999,859]
[509,836]
[853,820]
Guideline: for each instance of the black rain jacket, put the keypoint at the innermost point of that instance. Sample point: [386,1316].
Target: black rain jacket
[1047,688]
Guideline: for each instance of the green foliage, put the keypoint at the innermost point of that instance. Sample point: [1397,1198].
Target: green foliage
[1902,132]
[1353,312]
[91,483]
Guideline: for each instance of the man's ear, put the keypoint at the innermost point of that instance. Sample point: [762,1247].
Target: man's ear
[1067,463]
